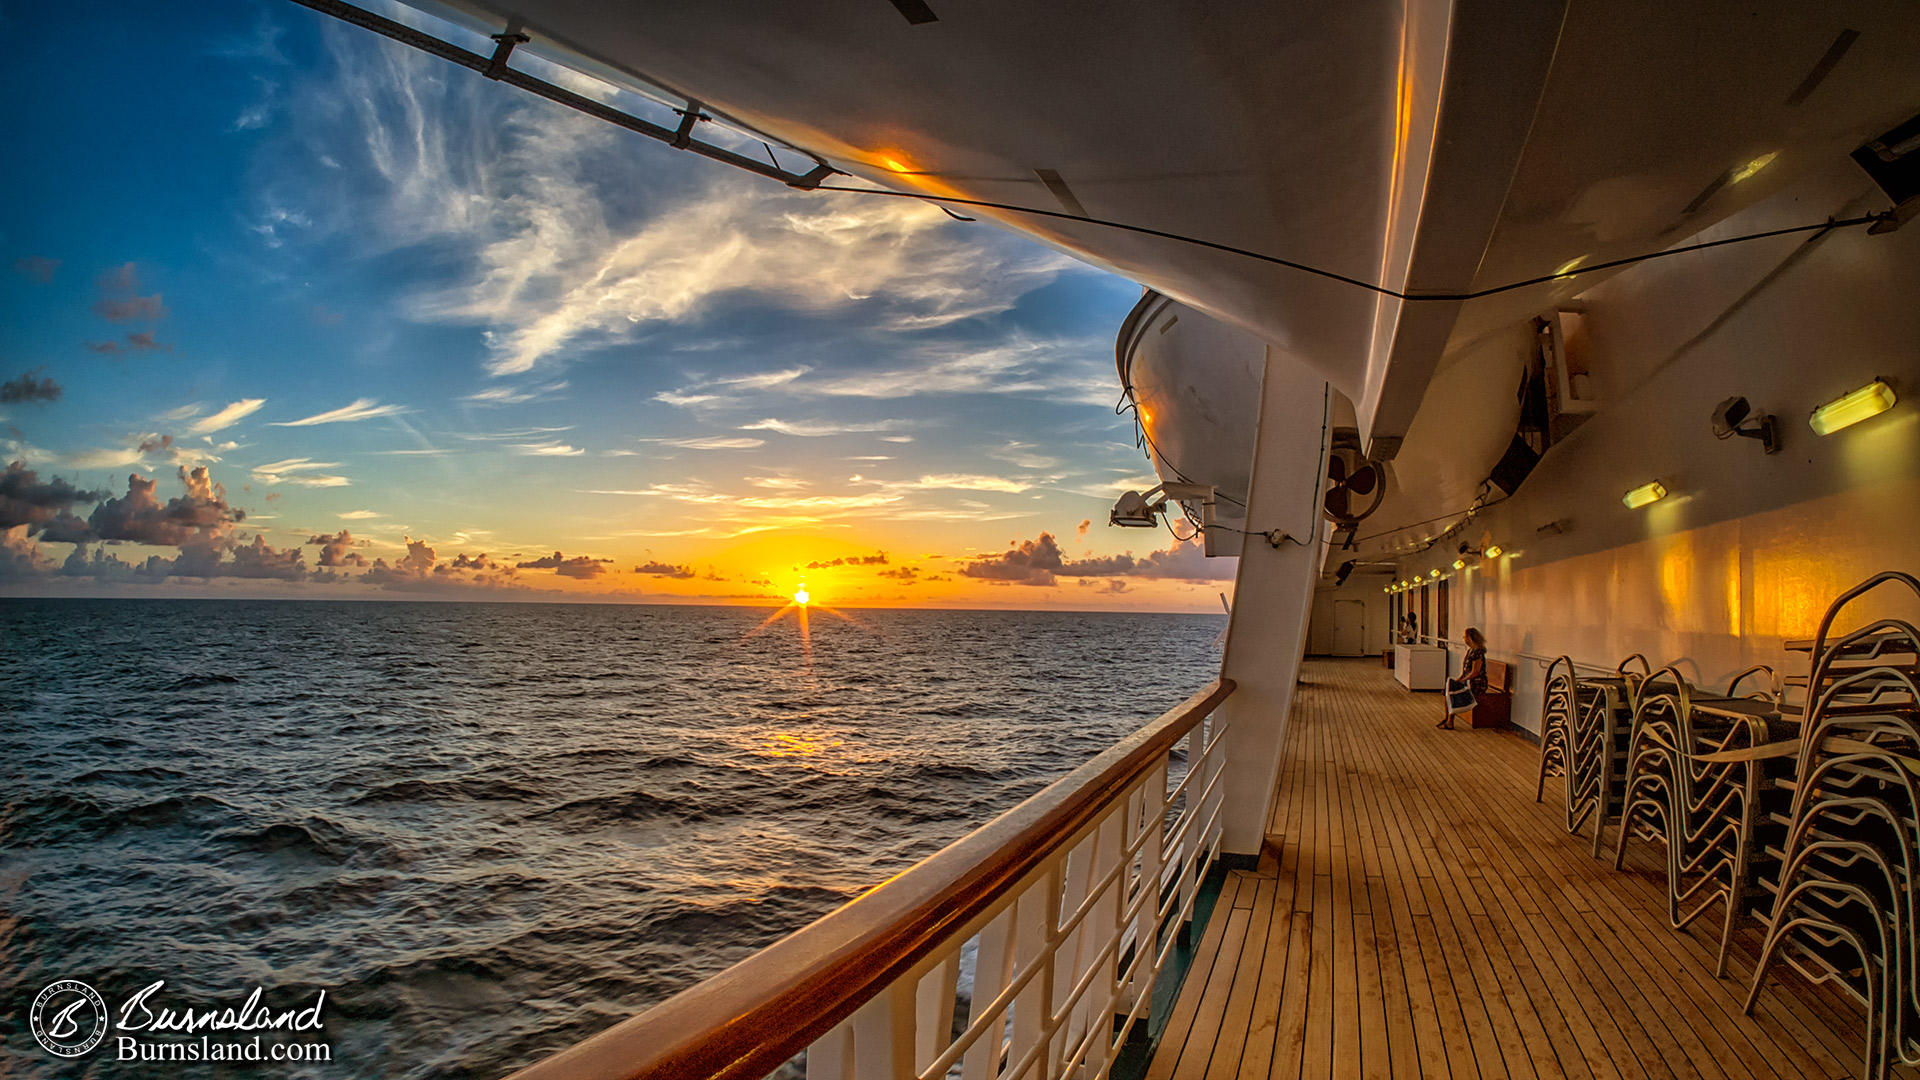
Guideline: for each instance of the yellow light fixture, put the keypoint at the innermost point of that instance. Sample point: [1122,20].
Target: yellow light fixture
[1459,564]
[1870,400]
[1747,171]
[1435,572]
[1651,492]
[1493,551]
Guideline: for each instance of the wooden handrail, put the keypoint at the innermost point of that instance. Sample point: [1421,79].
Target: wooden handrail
[744,1022]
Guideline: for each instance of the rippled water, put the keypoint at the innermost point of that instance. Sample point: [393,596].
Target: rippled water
[488,830]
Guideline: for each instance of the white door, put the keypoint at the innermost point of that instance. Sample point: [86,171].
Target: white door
[1349,628]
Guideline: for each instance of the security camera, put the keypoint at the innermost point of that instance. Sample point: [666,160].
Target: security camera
[1731,417]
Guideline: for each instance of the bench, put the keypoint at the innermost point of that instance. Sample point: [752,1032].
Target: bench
[1494,709]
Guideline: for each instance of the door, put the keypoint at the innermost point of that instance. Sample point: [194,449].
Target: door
[1349,628]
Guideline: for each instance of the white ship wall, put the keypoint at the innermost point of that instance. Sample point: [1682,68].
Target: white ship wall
[1748,549]
[1363,589]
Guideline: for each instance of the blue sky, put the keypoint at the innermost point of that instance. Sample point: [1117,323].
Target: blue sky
[368,291]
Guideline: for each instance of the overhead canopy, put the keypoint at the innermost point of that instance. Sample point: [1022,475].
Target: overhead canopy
[1423,146]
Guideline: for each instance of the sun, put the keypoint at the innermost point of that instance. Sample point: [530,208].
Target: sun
[800,597]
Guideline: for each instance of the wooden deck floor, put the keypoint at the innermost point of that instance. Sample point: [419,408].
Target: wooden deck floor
[1428,918]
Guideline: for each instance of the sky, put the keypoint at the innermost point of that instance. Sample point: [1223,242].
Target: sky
[293,310]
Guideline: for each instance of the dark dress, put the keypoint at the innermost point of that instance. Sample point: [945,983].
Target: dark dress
[1479,681]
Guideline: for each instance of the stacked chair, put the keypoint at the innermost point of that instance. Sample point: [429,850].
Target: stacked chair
[1843,908]
[1795,807]
[1589,744]
[1705,811]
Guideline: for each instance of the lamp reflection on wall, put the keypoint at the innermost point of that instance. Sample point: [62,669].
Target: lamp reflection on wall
[1646,493]
[1845,411]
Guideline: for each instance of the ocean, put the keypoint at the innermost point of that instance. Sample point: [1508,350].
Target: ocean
[487,831]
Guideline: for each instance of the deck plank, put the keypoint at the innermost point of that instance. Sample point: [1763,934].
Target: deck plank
[1425,917]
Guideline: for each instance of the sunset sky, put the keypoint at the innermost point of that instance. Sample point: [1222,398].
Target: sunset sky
[427,335]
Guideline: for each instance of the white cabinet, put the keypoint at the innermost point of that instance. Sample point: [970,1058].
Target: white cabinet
[1420,667]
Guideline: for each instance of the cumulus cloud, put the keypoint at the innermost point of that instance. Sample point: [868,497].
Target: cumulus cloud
[1032,562]
[29,389]
[1041,562]
[120,301]
[852,560]
[420,570]
[139,517]
[38,268]
[26,500]
[337,549]
[20,558]
[580,566]
[361,409]
[259,560]
[664,570]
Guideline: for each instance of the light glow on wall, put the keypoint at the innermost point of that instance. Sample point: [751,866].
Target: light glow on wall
[1645,494]
[1870,400]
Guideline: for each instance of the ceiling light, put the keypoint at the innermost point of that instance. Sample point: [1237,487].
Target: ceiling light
[1646,493]
[1746,171]
[1870,400]
[1459,564]
[1435,572]
[1493,551]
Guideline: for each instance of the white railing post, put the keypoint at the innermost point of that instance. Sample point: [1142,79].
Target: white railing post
[883,1035]
[933,1010]
[1100,942]
[992,973]
[1036,915]
[831,1055]
[1194,820]
[1153,820]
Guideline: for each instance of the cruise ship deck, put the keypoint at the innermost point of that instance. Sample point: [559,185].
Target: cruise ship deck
[1426,917]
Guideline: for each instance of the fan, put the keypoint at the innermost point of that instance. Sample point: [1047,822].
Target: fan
[1351,478]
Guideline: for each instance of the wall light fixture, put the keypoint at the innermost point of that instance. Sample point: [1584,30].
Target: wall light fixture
[1646,493]
[1845,411]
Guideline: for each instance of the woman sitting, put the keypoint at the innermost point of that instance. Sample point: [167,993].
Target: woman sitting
[1462,693]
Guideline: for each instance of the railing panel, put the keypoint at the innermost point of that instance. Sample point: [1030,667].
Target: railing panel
[1102,863]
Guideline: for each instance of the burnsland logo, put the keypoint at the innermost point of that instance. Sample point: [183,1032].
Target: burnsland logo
[70,1019]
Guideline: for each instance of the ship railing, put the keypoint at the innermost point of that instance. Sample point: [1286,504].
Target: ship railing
[1066,909]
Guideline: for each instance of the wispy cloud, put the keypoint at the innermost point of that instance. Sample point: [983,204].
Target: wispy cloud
[515,395]
[715,442]
[227,417]
[817,428]
[564,260]
[359,515]
[300,472]
[361,409]
[545,449]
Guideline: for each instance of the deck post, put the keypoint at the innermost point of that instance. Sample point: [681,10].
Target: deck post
[1273,592]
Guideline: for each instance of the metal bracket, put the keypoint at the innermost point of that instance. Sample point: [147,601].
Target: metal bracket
[689,116]
[503,44]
